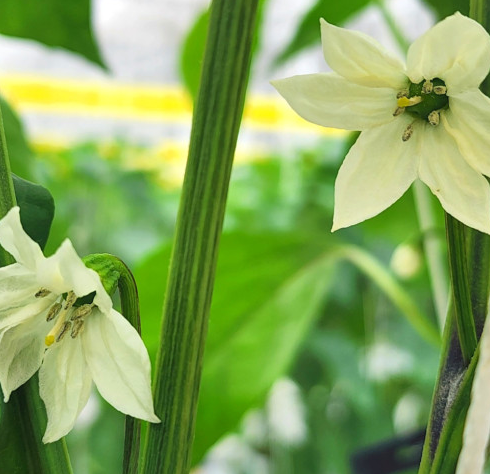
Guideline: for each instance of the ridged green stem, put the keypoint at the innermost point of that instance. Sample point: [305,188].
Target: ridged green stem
[23,418]
[458,269]
[216,122]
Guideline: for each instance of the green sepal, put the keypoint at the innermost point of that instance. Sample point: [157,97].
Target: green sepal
[107,267]
[36,209]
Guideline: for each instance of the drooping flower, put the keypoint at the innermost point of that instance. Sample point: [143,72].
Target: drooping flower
[43,326]
[427,120]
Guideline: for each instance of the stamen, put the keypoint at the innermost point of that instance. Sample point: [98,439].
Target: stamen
[402,93]
[427,87]
[407,133]
[407,102]
[81,311]
[398,111]
[440,90]
[64,330]
[54,311]
[433,118]
[77,327]
[42,293]
[70,300]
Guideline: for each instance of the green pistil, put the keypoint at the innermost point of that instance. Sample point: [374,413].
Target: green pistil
[430,102]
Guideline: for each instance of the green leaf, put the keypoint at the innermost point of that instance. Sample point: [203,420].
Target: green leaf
[56,23]
[445,8]
[308,31]
[193,52]
[266,298]
[36,209]
[20,154]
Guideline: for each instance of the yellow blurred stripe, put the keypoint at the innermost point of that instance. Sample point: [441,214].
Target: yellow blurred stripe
[110,99]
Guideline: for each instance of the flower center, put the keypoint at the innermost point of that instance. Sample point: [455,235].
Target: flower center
[69,317]
[424,100]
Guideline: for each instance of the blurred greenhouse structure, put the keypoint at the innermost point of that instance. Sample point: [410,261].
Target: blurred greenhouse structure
[314,352]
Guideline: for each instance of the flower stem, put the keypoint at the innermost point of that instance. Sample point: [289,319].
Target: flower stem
[23,419]
[130,309]
[458,269]
[215,128]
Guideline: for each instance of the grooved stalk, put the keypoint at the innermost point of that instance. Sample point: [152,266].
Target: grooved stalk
[214,132]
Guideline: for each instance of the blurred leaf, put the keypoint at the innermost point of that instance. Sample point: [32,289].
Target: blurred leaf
[445,8]
[58,23]
[192,53]
[266,297]
[36,209]
[308,31]
[21,158]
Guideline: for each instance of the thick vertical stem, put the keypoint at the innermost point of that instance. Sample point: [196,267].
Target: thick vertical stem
[214,132]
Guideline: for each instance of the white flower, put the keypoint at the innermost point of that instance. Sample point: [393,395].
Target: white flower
[426,121]
[42,323]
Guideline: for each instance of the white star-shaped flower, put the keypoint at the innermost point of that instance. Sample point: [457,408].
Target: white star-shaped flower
[427,120]
[42,326]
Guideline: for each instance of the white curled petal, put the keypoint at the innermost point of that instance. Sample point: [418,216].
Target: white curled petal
[331,101]
[463,192]
[468,121]
[21,353]
[360,58]
[119,364]
[376,172]
[64,386]
[477,425]
[457,50]
[65,271]
[14,240]
[24,310]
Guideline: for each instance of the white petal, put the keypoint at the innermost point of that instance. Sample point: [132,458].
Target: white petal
[65,271]
[14,239]
[464,193]
[376,172]
[332,101]
[16,284]
[29,308]
[21,352]
[360,58]
[64,386]
[119,364]
[477,425]
[456,50]
[468,121]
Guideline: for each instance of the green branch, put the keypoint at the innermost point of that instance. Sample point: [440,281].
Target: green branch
[215,128]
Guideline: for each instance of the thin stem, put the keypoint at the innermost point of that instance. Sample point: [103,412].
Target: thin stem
[130,309]
[191,278]
[458,269]
[434,250]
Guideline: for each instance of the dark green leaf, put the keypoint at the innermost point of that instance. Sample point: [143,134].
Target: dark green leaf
[20,155]
[445,8]
[36,209]
[308,31]
[57,23]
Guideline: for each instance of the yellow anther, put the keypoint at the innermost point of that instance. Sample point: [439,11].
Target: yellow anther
[42,293]
[433,118]
[49,339]
[407,133]
[54,311]
[402,93]
[427,87]
[398,111]
[407,102]
[440,90]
